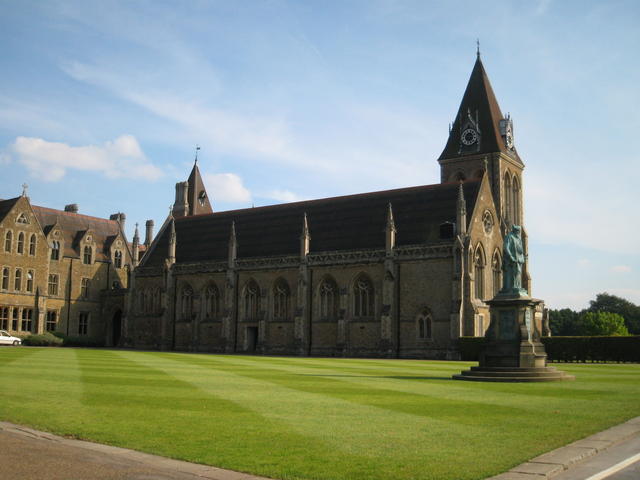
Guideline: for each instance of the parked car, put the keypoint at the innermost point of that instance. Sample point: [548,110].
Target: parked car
[6,339]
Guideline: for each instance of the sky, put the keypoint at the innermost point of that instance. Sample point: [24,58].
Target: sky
[102,103]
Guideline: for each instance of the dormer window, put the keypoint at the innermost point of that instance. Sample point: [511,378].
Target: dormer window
[88,254]
[117,259]
[55,250]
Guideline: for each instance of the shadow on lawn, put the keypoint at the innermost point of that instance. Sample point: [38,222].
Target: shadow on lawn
[394,377]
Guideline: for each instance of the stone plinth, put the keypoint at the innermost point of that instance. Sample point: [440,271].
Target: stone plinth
[513,351]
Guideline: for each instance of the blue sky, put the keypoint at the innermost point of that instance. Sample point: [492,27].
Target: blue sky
[102,104]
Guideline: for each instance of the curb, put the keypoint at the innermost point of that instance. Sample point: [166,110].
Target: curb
[132,456]
[550,464]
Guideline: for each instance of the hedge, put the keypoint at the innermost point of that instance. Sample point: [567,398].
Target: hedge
[46,339]
[78,341]
[570,349]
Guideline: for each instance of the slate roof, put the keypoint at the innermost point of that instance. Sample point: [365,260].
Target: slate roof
[6,206]
[74,225]
[350,222]
[479,97]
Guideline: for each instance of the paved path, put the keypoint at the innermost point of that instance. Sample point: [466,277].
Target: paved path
[28,454]
[35,455]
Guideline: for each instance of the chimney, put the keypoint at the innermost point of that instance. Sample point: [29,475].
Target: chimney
[181,205]
[148,237]
[120,218]
[72,207]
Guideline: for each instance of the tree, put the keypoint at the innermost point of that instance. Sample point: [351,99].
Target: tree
[564,322]
[602,323]
[606,302]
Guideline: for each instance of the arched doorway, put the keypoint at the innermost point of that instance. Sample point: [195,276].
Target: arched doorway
[116,332]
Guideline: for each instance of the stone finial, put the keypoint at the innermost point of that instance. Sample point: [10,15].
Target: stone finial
[172,242]
[461,212]
[134,247]
[390,231]
[305,237]
[233,246]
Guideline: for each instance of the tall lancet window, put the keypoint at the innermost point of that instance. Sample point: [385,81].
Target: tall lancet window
[507,197]
[516,201]
[187,302]
[252,301]
[328,299]
[281,300]
[478,272]
[363,297]
[211,301]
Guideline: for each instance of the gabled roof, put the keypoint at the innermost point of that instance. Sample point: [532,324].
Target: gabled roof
[340,223]
[6,206]
[478,97]
[198,204]
[74,226]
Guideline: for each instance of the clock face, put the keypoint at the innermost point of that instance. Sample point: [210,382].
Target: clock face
[469,137]
[202,197]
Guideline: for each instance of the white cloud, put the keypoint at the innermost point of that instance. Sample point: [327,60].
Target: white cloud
[621,269]
[226,187]
[584,262]
[120,158]
[285,196]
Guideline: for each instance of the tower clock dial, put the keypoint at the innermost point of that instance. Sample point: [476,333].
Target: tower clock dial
[469,137]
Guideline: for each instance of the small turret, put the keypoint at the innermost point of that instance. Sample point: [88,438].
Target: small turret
[390,232]
[305,238]
[135,247]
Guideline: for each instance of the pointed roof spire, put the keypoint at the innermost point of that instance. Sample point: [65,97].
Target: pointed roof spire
[390,222]
[197,198]
[136,235]
[195,162]
[477,49]
[478,103]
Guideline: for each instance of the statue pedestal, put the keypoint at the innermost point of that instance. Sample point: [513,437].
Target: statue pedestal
[513,351]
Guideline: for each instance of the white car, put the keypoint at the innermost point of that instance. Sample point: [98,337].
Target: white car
[6,339]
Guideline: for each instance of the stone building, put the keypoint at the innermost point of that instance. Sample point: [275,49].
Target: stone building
[397,273]
[62,271]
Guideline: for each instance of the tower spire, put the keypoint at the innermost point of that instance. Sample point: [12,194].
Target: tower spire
[477,48]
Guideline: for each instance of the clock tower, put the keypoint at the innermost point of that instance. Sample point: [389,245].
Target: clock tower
[481,140]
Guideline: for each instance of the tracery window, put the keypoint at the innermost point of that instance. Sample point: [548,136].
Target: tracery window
[29,281]
[5,278]
[363,297]
[22,219]
[496,269]
[8,240]
[187,302]
[17,283]
[211,301]
[281,300]
[20,247]
[88,254]
[117,259]
[328,299]
[55,250]
[478,272]
[424,324]
[252,301]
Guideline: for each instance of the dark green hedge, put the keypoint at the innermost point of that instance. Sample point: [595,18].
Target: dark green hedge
[42,340]
[78,341]
[593,349]
[571,349]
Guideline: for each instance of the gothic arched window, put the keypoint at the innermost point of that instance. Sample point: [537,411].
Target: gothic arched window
[478,272]
[32,245]
[251,300]
[8,240]
[507,197]
[496,270]
[29,281]
[17,284]
[211,301]
[20,248]
[424,324]
[187,302]
[281,300]
[363,297]
[328,299]
[516,201]
[88,254]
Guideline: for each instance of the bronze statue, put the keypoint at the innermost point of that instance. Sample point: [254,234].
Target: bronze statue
[513,260]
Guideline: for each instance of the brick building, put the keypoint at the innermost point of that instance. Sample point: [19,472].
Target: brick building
[394,273]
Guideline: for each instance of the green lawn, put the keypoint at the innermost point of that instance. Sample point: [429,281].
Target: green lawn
[310,418]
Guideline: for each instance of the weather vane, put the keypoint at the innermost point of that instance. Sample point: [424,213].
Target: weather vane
[197,148]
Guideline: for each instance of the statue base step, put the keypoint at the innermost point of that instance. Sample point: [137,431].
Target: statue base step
[513,374]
